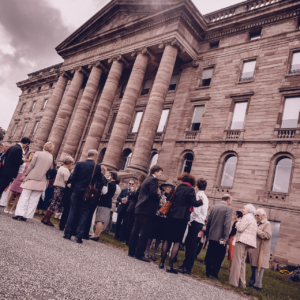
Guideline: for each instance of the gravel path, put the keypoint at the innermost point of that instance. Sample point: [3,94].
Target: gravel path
[37,263]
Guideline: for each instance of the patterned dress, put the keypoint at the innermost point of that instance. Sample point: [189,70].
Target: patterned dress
[56,205]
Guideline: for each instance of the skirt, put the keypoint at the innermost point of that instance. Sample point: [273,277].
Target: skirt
[174,230]
[103,214]
[230,249]
[16,185]
[56,205]
[158,227]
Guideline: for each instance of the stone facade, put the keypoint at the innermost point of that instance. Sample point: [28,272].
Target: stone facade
[146,57]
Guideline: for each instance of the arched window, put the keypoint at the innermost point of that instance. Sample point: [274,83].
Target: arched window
[101,155]
[153,161]
[126,159]
[229,170]
[282,175]
[187,163]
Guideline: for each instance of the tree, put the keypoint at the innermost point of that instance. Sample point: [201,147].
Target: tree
[2,133]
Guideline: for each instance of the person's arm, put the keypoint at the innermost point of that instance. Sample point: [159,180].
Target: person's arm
[66,175]
[227,223]
[208,225]
[194,201]
[120,198]
[243,224]
[75,173]
[30,167]
[111,189]
[266,234]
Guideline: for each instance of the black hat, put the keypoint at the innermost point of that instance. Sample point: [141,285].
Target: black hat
[167,183]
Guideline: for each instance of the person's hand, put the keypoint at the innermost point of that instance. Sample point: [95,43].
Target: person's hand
[189,223]
[161,202]
[124,201]
[132,188]
[22,178]
[69,185]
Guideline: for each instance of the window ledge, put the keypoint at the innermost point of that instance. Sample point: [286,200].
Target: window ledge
[202,87]
[277,196]
[246,81]
[222,189]
[291,75]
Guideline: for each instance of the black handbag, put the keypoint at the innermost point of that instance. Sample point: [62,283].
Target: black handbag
[51,173]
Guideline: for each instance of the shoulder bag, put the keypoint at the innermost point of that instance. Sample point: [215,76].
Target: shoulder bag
[165,208]
[51,173]
[91,192]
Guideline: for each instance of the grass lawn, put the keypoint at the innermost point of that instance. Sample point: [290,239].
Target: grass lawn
[275,286]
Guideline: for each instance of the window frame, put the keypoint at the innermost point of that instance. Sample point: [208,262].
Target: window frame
[183,155]
[114,113]
[241,70]
[45,104]
[281,115]
[144,82]
[24,129]
[133,119]
[199,81]
[123,157]
[174,73]
[22,108]
[167,120]
[223,169]
[33,106]
[289,64]
[153,153]
[212,43]
[14,129]
[35,127]
[258,30]
[122,85]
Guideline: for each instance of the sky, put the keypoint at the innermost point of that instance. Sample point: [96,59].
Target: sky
[31,29]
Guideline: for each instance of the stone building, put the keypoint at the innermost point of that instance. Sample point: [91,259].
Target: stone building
[156,81]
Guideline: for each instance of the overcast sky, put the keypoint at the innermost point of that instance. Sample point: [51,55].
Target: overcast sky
[31,29]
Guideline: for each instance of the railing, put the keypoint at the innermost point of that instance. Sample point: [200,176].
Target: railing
[286,133]
[191,135]
[260,3]
[131,136]
[233,134]
[221,15]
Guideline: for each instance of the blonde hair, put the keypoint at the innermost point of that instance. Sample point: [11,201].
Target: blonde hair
[68,160]
[92,153]
[48,147]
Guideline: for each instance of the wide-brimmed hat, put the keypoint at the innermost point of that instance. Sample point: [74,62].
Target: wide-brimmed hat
[167,183]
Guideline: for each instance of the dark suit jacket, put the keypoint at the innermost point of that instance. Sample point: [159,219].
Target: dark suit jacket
[123,194]
[106,200]
[185,197]
[150,206]
[11,162]
[81,177]
[219,221]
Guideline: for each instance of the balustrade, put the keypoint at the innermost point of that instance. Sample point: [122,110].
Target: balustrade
[233,134]
[286,133]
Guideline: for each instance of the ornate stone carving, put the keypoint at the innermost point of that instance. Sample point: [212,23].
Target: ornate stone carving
[173,42]
[119,58]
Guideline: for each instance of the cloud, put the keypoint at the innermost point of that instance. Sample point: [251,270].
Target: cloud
[29,32]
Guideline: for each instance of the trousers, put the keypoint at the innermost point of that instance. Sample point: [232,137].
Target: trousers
[130,222]
[238,267]
[27,204]
[4,183]
[256,280]
[142,226]
[191,244]
[214,257]
[121,225]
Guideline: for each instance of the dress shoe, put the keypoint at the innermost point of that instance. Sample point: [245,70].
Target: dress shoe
[153,258]
[67,238]
[96,238]
[22,219]
[79,241]
[143,258]
[16,218]
[171,270]
[256,288]
[161,265]
[130,255]
[214,278]
[183,270]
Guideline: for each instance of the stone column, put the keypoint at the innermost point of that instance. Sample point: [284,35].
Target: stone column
[143,146]
[82,112]
[126,111]
[65,111]
[104,106]
[53,104]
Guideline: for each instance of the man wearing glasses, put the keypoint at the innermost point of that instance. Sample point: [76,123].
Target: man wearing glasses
[122,211]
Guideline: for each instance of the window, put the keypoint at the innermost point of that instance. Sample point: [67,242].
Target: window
[187,163]
[29,91]
[147,87]
[275,233]
[173,82]
[163,120]
[214,45]
[206,76]
[248,70]
[50,85]
[33,105]
[112,123]
[126,160]
[123,90]
[295,65]
[45,103]
[22,108]
[291,112]
[197,118]
[24,128]
[298,24]
[255,35]
[229,170]
[137,122]
[238,115]
[35,128]
[282,175]
[14,130]
[39,88]
[153,161]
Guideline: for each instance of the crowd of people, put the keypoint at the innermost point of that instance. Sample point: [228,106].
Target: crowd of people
[169,214]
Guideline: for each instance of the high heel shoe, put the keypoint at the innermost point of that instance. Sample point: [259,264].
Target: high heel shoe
[171,270]
[5,211]
[96,238]
[161,265]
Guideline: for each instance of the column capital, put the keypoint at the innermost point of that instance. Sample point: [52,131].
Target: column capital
[65,74]
[83,71]
[173,42]
[98,65]
[146,51]
[119,58]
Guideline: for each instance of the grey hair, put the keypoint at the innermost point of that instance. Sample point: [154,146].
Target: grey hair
[6,143]
[251,209]
[262,212]
[68,160]
[92,153]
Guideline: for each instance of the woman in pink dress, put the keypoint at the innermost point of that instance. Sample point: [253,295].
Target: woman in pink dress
[15,187]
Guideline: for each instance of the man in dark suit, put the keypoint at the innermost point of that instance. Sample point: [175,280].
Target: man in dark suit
[217,229]
[12,159]
[122,211]
[80,181]
[145,211]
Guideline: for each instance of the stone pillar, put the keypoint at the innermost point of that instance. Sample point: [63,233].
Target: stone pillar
[104,106]
[65,111]
[143,146]
[82,112]
[53,104]
[126,111]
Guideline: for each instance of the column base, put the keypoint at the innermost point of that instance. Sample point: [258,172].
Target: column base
[109,166]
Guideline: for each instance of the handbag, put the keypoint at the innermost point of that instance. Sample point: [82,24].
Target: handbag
[166,207]
[51,173]
[91,192]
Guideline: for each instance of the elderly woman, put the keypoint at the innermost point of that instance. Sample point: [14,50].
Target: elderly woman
[245,240]
[178,217]
[61,179]
[34,183]
[260,257]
